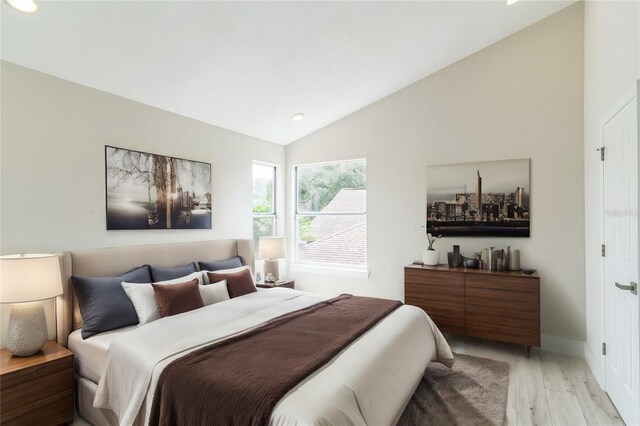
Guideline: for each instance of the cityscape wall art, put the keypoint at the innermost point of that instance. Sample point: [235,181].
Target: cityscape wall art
[489,198]
[152,191]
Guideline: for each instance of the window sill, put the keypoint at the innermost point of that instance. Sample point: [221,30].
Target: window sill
[330,270]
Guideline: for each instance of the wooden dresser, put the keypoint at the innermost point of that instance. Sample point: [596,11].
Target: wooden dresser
[493,305]
[37,389]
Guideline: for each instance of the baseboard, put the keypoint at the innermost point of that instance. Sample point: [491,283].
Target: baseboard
[563,346]
[594,363]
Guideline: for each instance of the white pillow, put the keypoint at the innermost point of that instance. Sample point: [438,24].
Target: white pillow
[144,301]
[214,293]
[205,277]
[144,298]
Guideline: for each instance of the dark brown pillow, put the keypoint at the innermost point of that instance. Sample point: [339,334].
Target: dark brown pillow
[238,284]
[175,299]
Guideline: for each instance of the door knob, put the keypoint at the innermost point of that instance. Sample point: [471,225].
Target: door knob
[633,287]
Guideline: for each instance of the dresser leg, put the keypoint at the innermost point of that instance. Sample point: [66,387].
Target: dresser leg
[528,350]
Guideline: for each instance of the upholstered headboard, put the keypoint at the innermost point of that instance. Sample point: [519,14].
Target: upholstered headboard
[114,261]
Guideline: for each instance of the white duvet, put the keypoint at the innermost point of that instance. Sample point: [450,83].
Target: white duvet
[368,383]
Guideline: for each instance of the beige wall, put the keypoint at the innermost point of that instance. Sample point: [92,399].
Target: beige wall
[612,67]
[52,165]
[519,98]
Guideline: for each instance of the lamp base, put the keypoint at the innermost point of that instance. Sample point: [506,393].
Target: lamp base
[272,266]
[27,332]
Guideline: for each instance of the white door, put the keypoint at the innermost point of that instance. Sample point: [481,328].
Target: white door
[620,202]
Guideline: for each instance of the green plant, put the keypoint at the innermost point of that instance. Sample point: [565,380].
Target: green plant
[430,240]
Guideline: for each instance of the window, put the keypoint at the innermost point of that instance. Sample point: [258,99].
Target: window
[331,214]
[264,201]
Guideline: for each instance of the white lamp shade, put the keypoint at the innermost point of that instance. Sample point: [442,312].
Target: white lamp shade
[271,248]
[29,277]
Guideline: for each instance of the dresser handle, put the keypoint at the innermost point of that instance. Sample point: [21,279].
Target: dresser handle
[40,371]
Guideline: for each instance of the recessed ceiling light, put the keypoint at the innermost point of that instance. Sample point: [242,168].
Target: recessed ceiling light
[298,116]
[510,2]
[26,6]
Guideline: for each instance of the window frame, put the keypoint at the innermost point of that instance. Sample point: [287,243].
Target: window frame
[274,213]
[336,269]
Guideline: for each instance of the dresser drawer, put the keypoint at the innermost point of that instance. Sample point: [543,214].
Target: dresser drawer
[508,316]
[52,410]
[440,295]
[529,285]
[36,389]
[427,276]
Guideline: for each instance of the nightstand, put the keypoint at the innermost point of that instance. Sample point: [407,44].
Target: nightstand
[37,389]
[284,284]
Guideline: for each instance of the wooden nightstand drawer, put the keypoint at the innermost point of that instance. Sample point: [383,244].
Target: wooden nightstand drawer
[33,390]
[280,284]
[36,371]
[52,410]
[37,389]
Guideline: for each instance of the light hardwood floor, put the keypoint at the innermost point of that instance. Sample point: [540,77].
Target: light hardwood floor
[547,388]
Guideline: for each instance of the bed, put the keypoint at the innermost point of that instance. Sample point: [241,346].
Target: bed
[369,382]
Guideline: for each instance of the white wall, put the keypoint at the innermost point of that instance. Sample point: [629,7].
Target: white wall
[519,98]
[612,67]
[52,165]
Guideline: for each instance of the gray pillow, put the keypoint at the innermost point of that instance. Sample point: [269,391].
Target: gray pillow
[104,305]
[166,274]
[234,262]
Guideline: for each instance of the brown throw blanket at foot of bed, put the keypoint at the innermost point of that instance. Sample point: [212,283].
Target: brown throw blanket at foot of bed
[240,380]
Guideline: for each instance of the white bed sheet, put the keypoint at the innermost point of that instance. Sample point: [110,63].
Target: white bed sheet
[368,383]
[90,355]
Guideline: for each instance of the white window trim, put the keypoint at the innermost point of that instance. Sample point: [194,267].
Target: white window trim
[322,268]
[273,215]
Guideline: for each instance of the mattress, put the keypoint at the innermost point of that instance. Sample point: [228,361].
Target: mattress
[91,354]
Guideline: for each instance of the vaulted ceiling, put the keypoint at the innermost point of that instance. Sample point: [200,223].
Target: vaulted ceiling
[248,66]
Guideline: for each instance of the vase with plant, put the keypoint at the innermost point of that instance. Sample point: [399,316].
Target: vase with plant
[430,256]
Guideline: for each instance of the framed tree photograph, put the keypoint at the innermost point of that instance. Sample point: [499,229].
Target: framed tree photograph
[489,198]
[152,191]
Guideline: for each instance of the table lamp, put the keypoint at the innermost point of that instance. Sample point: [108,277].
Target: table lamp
[271,249]
[26,279]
